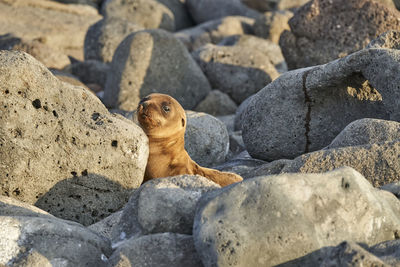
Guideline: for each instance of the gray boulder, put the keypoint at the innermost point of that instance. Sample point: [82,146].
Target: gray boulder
[150,14]
[274,219]
[45,20]
[379,163]
[163,250]
[324,30]
[59,144]
[235,71]
[214,31]
[35,241]
[217,103]
[103,37]
[162,205]
[367,131]
[271,24]
[150,61]
[269,5]
[206,139]
[307,119]
[205,10]
[106,226]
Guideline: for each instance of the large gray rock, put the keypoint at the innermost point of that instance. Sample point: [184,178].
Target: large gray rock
[205,10]
[235,71]
[150,61]
[270,220]
[206,139]
[271,24]
[307,119]
[103,37]
[214,31]
[163,250]
[217,103]
[58,26]
[324,30]
[148,13]
[162,205]
[379,163]
[367,131]
[60,148]
[90,71]
[34,241]
[269,5]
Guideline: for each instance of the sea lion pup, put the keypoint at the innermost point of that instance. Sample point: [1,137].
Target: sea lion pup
[164,121]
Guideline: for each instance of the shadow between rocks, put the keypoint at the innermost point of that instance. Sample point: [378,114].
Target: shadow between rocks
[86,199]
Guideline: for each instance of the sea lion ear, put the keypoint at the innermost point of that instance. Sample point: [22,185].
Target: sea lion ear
[183,122]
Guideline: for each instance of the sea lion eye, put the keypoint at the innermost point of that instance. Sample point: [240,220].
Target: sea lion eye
[165,108]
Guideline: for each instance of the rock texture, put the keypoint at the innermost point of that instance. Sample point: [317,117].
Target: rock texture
[389,39]
[150,61]
[205,10]
[217,104]
[367,131]
[31,237]
[206,139]
[103,37]
[308,120]
[262,221]
[181,14]
[60,27]
[214,31]
[164,250]
[148,13]
[162,205]
[60,148]
[324,30]
[234,70]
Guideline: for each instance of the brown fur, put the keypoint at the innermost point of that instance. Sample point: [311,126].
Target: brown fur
[166,131]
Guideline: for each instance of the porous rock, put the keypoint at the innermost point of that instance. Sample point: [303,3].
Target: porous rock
[164,250]
[206,139]
[367,131]
[235,71]
[324,30]
[150,61]
[270,220]
[162,205]
[269,5]
[205,10]
[217,103]
[214,31]
[60,148]
[379,163]
[389,39]
[148,13]
[270,25]
[307,117]
[58,26]
[39,241]
[103,37]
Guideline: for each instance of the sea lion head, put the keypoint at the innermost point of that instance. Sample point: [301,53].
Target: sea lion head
[161,116]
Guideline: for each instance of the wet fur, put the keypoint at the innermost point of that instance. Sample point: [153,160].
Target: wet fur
[166,132]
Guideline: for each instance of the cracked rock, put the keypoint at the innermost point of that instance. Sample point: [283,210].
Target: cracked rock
[303,110]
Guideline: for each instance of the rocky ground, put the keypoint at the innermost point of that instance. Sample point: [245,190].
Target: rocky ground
[299,97]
